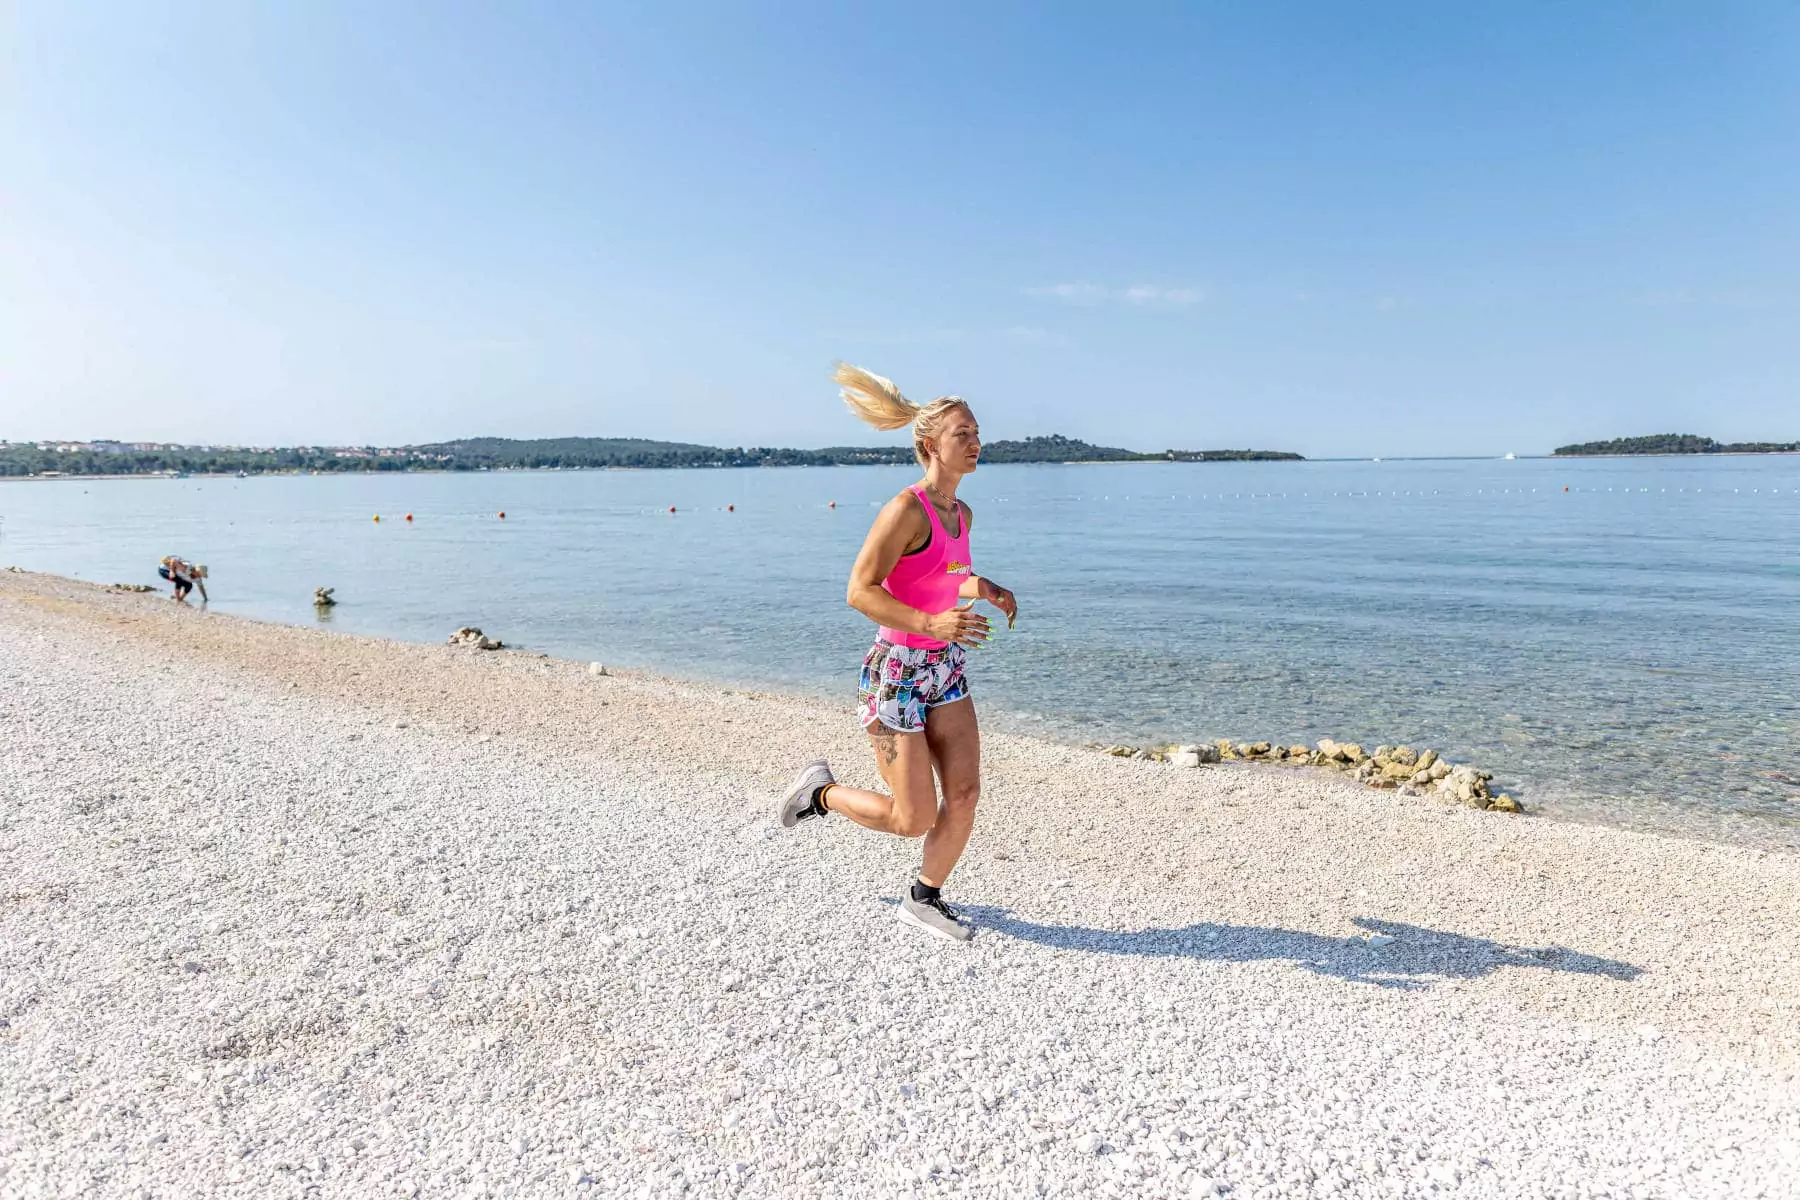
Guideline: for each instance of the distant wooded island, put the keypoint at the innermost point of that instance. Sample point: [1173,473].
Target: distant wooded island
[511,454]
[1674,443]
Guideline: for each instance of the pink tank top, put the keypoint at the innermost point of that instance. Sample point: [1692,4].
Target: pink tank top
[928,579]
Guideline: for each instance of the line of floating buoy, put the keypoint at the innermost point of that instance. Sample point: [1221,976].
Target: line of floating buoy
[1566,489]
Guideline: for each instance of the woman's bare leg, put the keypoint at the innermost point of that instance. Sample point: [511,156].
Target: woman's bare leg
[905,763]
[954,737]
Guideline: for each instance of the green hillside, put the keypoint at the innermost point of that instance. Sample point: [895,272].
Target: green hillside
[575,453]
[1674,443]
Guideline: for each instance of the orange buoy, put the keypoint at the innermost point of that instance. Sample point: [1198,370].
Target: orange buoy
[1565,489]
[503,514]
[832,504]
[671,508]
[731,508]
[378,517]
[409,516]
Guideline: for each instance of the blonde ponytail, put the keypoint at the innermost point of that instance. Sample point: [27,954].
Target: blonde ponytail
[876,400]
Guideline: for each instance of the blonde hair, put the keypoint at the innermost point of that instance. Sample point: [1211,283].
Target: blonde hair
[876,400]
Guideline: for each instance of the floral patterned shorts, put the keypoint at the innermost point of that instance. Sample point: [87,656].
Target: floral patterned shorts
[900,684]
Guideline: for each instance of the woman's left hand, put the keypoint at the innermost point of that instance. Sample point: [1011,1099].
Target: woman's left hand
[1001,599]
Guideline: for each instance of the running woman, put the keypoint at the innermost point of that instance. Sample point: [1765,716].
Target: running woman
[915,702]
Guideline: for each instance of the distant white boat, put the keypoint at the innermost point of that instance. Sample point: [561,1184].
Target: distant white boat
[1509,454]
[1374,460]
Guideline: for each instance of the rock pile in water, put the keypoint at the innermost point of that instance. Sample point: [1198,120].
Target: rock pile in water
[322,597]
[132,587]
[468,635]
[1415,772]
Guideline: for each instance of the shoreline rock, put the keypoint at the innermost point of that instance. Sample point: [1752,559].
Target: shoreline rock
[1390,768]
[469,635]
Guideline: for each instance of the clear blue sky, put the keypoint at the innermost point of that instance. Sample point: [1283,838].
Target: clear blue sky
[1336,228]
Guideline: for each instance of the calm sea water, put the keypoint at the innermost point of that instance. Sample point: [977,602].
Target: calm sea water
[1627,650]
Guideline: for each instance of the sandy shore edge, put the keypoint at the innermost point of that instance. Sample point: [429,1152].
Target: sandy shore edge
[1634,891]
[381,850]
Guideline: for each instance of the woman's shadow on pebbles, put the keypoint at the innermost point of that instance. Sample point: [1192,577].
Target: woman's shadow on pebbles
[1412,960]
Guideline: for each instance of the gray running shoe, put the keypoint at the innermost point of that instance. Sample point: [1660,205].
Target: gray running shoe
[796,806]
[933,916]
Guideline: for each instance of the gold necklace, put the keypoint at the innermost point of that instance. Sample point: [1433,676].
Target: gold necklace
[955,508]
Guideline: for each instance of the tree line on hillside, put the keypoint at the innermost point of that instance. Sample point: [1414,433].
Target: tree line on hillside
[1674,443]
[474,454]
[1058,449]
[478,454]
[636,452]
[18,459]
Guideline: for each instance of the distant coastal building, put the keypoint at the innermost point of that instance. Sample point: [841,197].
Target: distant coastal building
[98,446]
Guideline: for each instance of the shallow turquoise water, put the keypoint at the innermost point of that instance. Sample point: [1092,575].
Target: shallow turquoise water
[1628,650]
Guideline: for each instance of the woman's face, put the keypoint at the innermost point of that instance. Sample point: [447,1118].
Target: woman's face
[957,443]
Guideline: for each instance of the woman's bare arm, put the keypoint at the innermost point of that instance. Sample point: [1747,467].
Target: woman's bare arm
[901,525]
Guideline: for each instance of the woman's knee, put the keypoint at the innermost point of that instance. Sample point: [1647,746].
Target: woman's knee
[962,797]
[915,811]
[914,823]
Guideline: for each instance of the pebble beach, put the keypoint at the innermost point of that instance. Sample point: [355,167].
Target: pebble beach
[285,912]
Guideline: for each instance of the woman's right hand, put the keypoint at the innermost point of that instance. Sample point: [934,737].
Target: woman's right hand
[961,625]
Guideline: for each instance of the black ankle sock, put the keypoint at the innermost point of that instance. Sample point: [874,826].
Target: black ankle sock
[818,800]
[922,891]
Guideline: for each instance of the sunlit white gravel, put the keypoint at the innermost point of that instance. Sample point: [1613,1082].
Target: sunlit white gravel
[283,913]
